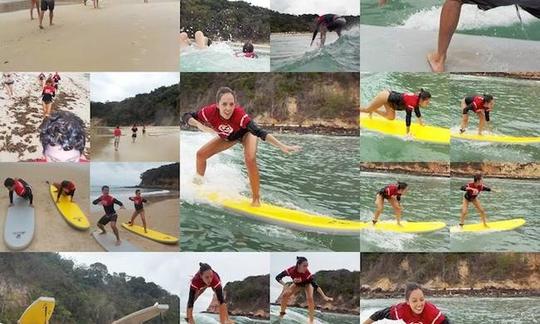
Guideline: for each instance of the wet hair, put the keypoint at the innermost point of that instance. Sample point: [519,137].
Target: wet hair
[423,94]
[224,90]
[63,128]
[204,267]
[410,287]
[402,185]
[477,177]
[104,187]
[117,126]
[487,98]
[300,260]
[9,182]
[64,183]
[248,48]
[137,191]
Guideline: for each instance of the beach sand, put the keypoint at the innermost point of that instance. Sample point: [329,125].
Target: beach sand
[123,35]
[162,216]
[160,143]
[52,232]
[23,114]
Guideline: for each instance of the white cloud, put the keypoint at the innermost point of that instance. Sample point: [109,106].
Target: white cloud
[119,173]
[319,7]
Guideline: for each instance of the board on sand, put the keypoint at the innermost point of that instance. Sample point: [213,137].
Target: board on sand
[398,128]
[143,315]
[296,219]
[497,138]
[71,211]
[39,312]
[151,234]
[406,227]
[497,226]
[20,224]
[108,243]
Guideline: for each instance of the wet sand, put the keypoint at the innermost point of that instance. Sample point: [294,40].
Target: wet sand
[123,35]
[160,143]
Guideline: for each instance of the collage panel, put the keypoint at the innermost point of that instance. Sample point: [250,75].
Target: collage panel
[315,36]
[89,288]
[494,218]
[314,287]
[46,117]
[35,217]
[297,185]
[89,35]
[449,287]
[491,121]
[225,36]
[135,117]
[134,206]
[224,288]
[450,35]
[404,117]
[404,206]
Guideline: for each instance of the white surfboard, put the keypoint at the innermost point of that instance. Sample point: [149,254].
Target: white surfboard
[143,315]
[108,243]
[20,224]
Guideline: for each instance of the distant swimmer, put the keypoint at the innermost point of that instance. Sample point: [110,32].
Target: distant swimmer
[248,50]
[472,191]
[34,3]
[326,23]
[392,101]
[46,5]
[392,193]
[481,106]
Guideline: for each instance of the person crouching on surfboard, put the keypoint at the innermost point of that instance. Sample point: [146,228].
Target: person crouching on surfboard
[392,193]
[138,202]
[302,279]
[416,309]
[393,101]
[66,188]
[472,190]
[108,201]
[206,278]
[232,125]
[481,106]
[326,23]
[21,188]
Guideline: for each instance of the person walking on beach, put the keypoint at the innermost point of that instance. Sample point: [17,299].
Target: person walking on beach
[134,130]
[47,96]
[34,3]
[7,81]
[117,133]
[46,5]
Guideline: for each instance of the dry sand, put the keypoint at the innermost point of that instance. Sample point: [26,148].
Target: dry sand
[123,35]
[22,114]
[160,143]
[52,232]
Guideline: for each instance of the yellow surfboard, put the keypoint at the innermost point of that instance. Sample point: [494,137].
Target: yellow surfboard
[497,138]
[40,311]
[405,227]
[396,127]
[296,219]
[497,226]
[71,212]
[151,234]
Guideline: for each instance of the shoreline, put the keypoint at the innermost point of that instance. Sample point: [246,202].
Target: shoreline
[326,310]
[455,292]
[535,76]
[303,130]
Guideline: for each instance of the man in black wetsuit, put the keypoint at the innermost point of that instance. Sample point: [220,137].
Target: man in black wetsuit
[108,201]
[328,22]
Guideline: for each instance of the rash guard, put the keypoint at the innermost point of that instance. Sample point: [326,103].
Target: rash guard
[430,314]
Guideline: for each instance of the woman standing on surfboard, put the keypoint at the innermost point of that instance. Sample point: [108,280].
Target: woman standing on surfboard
[392,193]
[481,106]
[326,23]
[232,125]
[393,101]
[206,278]
[138,202]
[472,190]
[302,279]
[414,310]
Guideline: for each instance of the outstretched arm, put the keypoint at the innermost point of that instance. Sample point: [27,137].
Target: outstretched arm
[283,147]
[189,119]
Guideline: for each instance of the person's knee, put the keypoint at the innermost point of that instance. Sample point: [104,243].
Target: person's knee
[310,300]
[287,294]
[250,159]
[392,117]
[202,154]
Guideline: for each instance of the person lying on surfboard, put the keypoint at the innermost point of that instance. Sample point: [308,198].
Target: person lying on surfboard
[206,277]
[138,202]
[449,19]
[21,189]
[232,125]
[66,188]
[392,193]
[326,23]
[108,201]
[481,106]
[392,101]
[416,309]
[472,191]
[302,279]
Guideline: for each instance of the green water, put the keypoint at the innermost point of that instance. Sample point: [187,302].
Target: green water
[376,147]
[470,310]
[300,316]
[516,113]
[425,201]
[322,179]
[205,318]
[424,14]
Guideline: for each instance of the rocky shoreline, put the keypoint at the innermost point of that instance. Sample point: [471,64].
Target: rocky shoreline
[378,293]
[513,75]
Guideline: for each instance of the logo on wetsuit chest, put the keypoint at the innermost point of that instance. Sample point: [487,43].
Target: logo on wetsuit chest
[225,128]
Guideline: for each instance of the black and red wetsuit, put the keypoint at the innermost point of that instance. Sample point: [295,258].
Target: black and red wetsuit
[48,94]
[471,193]
[108,202]
[390,191]
[305,277]
[197,284]
[405,101]
[476,104]
[138,202]
[430,314]
[70,186]
[21,189]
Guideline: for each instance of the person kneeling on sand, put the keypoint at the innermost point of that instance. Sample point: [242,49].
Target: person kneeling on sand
[21,188]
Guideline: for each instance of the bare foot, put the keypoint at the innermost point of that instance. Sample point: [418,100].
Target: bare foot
[118,242]
[256,202]
[436,62]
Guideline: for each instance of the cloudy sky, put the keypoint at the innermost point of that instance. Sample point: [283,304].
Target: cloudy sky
[119,173]
[258,3]
[120,85]
[319,7]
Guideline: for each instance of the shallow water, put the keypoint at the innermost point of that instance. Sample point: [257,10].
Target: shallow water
[300,316]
